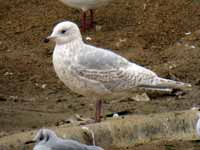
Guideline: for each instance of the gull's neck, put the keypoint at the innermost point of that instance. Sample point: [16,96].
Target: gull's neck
[71,45]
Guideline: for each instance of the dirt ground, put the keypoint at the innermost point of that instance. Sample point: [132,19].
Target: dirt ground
[162,35]
[166,145]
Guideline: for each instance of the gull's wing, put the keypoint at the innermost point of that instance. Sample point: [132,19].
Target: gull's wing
[110,69]
[119,79]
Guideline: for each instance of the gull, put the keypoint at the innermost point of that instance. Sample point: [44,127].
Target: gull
[100,73]
[86,5]
[47,139]
[198,125]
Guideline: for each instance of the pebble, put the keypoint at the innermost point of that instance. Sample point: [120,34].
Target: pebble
[8,74]
[187,33]
[115,115]
[98,28]
[88,38]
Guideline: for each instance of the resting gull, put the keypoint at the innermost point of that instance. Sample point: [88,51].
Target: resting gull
[86,5]
[46,139]
[100,73]
[198,125]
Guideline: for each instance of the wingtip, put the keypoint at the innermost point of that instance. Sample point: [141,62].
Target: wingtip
[187,86]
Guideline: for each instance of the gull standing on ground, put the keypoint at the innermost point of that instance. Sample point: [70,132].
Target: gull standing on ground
[46,139]
[198,125]
[99,73]
[86,5]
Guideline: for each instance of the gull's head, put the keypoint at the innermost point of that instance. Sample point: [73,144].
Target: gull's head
[43,136]
[64,33]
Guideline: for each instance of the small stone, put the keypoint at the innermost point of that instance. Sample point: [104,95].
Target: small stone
[13,98]
[44,86]
[8,50]
[120,42]
[144,6]
[195,108]
[88,38]
[141,97]
[98,28]
[192,46]
[9,22]
[8,74]
[115,115]
[187,33]
[37,84]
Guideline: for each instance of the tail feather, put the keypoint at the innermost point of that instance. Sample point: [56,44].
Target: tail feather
[166,83]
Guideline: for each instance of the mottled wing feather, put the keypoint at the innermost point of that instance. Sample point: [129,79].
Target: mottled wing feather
[103,76]
[111,69]
[117,79]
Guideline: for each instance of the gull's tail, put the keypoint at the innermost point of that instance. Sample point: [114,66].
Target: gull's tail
[170,84]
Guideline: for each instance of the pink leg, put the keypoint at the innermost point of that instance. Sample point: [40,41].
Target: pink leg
[98,111]
[83,22]
[91,18]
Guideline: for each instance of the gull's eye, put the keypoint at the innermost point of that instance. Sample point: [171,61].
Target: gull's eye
[41,138]
[63,31]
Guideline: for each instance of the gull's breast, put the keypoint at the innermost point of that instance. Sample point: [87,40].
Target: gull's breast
[63,62]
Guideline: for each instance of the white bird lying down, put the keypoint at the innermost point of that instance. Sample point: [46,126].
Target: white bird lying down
[86,5]
[97,72]
[46,139]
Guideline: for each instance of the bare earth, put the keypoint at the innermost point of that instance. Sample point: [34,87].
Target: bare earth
[149,32]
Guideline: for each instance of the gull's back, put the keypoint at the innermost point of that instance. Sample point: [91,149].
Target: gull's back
[61,144]
[91,57]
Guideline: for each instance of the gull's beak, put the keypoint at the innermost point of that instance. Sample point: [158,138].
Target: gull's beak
[30,142]
[49,38]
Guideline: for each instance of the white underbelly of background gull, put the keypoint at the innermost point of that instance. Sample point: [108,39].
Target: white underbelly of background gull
[97,72]
[198,125]
[86,5]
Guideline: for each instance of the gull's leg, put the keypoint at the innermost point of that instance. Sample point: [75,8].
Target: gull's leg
[91,18]
[83,22]
[98,110]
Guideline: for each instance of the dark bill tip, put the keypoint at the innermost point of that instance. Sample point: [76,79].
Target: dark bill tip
[46,40]
[29,142]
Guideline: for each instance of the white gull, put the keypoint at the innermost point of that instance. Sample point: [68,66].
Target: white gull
[100,73]
[198,125]
[47,139]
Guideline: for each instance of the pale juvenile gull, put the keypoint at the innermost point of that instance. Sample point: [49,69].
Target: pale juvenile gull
[100,73]
[86,5]
[46,139]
